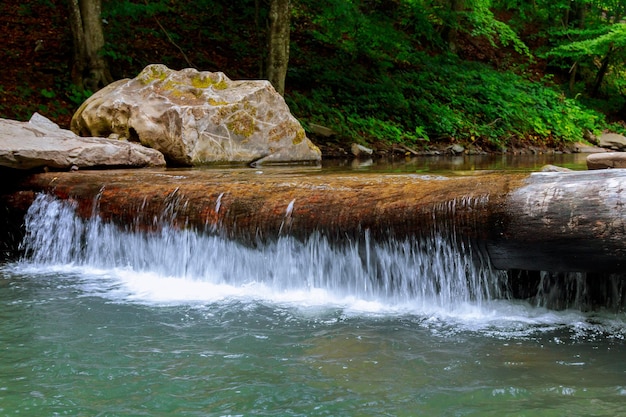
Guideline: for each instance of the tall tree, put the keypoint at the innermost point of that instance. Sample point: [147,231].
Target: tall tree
[89,67]
[278,43]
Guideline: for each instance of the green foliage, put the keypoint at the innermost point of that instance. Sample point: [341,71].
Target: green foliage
[125,10]
[447,99]
[76,95]
[485,24]
[591,42]
[600,53]
[48,93]
[381,70]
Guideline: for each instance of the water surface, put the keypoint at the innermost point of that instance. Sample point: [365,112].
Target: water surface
[79,342]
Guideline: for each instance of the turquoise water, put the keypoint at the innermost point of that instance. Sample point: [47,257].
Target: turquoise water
[102,322]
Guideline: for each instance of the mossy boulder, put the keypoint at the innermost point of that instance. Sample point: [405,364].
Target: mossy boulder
[197,118]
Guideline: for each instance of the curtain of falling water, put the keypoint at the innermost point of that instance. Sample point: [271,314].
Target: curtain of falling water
[434,268]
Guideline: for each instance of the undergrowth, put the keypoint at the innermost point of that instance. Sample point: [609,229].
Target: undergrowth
[466,102]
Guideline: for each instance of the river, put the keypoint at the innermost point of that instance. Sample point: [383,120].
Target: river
[97,321]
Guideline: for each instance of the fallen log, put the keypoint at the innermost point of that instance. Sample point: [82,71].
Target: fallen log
[553,221]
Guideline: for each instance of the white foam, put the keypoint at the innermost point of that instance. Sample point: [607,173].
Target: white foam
[498,318]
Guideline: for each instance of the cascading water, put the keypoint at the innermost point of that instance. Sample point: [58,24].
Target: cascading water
[434,271]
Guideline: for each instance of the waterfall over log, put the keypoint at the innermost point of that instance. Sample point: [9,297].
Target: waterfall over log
[572,221]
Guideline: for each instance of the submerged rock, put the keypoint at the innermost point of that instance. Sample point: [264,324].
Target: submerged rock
[41,143]
[554,168]
[197,117]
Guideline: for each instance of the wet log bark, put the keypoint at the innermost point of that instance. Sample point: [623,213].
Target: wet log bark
[544,221]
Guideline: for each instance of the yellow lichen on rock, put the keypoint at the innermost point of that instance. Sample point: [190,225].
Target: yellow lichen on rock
[214,102]
[153,73]
[283,130]
[206,80]
[300,136]
[242,123]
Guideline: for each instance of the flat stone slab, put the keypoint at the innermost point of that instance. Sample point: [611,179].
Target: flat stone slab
[584,148]
[613,141]
[606,160]
[41,143]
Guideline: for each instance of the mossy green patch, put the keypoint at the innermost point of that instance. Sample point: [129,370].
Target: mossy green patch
[222,85]
[242,123]
[205,80]
[153,73]
[168,85]
[300,136]
[214,102]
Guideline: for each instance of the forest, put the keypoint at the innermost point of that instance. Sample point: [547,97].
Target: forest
[487,74]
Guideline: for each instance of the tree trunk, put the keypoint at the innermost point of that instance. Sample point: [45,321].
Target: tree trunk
[572,76]
[261,38]
[89,68]
[278,43]
[604,67]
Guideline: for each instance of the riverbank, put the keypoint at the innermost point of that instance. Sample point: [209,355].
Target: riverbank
[338,150]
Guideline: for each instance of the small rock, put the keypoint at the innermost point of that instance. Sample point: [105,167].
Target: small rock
[41,144]
[359,150]
[581,147]
[590,137]
[457,149]
[42,122]
[321,130]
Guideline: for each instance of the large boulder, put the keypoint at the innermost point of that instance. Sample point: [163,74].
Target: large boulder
[41,143]
[197,118]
